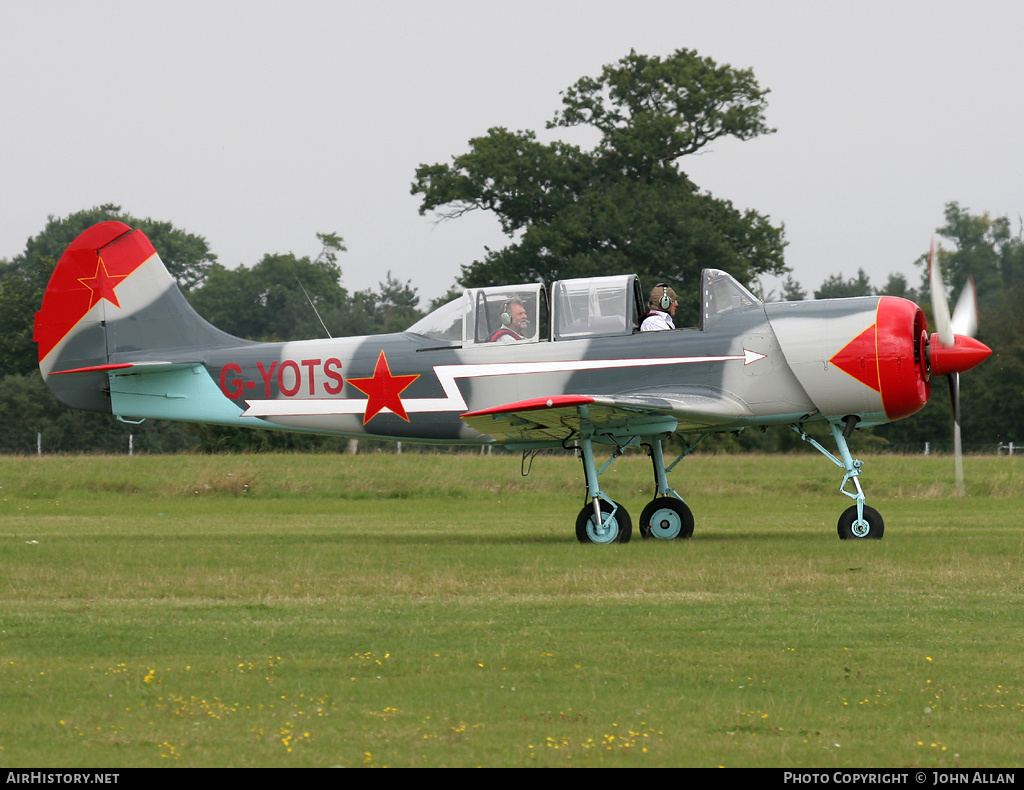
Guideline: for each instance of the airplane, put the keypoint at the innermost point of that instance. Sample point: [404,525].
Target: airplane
[116,335]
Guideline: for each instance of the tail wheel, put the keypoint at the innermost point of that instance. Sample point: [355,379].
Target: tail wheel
[666,518]
[871,527]
[618,529]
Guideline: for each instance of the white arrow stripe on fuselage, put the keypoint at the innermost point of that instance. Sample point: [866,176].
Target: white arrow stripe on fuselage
[453,400]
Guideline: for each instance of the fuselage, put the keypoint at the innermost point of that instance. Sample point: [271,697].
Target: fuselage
[731,374]
[115,334]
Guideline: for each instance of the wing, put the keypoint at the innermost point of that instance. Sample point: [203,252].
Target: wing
[560,418]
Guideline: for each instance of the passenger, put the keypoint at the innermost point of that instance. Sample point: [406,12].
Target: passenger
[513,322]
[662,305]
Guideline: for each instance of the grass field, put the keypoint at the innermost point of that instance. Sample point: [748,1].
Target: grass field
[436,610]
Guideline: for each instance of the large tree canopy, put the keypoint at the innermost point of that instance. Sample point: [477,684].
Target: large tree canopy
[625,205]
[186,255]
[984,249]
[284,297]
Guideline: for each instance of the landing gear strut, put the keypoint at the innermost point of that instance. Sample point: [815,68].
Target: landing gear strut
[667,516]
[602,520]
[858,521]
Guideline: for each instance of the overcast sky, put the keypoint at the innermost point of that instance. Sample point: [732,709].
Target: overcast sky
[257,124]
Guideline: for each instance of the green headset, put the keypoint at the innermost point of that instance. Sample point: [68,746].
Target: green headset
[666,300]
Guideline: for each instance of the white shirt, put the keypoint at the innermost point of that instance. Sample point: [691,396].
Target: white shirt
[657,321]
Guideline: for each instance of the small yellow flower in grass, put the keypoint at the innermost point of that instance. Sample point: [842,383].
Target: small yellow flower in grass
[927,658]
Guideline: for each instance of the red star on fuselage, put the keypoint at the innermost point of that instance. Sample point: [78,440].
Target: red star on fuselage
[383,390]
[101,285]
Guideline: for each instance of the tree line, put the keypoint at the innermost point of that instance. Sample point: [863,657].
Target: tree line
[624,205]
[281,297]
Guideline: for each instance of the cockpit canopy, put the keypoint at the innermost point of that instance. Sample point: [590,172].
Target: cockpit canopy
[720,293]
[576,309]
[597,306]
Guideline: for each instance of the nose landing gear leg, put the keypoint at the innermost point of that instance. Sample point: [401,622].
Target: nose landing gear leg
[858,521]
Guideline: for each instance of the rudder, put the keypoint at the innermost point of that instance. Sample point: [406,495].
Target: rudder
[110,302]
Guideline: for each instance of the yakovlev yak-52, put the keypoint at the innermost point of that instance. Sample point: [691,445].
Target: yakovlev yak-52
[116,335]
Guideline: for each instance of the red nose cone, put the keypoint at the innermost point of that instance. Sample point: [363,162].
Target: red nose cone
[963,355]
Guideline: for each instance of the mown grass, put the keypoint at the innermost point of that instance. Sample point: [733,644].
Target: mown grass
[436,610]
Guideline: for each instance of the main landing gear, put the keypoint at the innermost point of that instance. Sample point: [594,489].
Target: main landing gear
[602,520]
[858,521]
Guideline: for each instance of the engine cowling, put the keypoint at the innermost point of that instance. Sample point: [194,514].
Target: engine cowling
[866,357]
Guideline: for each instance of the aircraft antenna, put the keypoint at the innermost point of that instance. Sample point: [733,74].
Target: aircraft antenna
[318,318]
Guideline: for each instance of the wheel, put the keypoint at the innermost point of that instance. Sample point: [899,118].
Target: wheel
[666,518]
[619,530]
[850,530]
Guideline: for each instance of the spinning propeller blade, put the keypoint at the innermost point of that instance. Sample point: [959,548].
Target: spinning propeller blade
[940,308]
[953,350]
[965,314]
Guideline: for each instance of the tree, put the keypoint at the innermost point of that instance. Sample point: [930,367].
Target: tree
[651,112]
[897,285]
[835,287]
[21,292]
[624,205]
[186,255]
[394,308]
[792,290]
[284,297]
[985,249]
[990,395]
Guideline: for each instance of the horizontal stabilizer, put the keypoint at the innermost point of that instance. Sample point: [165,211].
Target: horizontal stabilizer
[129,368]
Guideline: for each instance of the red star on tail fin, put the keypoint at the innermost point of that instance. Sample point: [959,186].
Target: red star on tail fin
[102,284]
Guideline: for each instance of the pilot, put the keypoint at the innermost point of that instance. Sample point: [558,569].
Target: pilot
[662,305]
[513,322]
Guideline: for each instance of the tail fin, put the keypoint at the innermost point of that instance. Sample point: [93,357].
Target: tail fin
[111,302]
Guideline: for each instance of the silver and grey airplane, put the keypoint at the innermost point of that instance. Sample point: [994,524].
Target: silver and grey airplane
[116,335]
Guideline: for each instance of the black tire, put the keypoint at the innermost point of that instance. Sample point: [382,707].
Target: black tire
[666,518]
[620,532]
[875,528]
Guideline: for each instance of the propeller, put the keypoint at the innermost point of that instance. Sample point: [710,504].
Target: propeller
[952,349]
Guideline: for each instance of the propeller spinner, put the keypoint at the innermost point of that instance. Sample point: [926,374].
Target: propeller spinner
[952,349]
